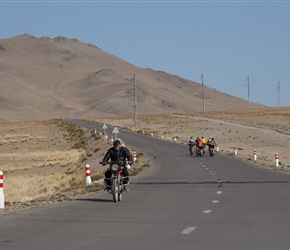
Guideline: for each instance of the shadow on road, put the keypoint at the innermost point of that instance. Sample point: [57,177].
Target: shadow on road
[95,200]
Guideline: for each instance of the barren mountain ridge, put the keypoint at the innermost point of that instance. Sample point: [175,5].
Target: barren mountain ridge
[43,78]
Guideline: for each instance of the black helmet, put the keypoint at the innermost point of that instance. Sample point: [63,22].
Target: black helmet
[116,142]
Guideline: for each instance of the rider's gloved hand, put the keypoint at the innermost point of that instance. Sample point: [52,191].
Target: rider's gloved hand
[130,162]
[103,163]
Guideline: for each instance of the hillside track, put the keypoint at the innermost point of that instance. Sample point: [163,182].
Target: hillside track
[180,202]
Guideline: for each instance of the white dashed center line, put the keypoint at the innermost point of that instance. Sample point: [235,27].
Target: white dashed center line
[188,230]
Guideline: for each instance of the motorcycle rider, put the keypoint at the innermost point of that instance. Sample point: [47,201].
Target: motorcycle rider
[203,139]
[198,144]
[118,153]
[190,145]
[211,143]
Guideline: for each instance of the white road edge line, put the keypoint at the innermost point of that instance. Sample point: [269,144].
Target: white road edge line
[207,211]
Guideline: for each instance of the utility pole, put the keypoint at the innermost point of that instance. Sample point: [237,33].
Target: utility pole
[135,102]
[203,99]
[248,91]
[278,94]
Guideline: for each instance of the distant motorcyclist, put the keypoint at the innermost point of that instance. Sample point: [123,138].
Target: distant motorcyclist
[190,143]
[203,139]
[211,143]
[118,153]
[198,144]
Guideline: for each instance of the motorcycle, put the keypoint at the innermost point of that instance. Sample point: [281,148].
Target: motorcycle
[211,151]
[117,187]
[198,152]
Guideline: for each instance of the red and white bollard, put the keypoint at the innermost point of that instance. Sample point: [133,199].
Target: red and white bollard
[1,191]
[88,175]
[235,149]
[134,156]
[276,160]
[255,154]
[217,147]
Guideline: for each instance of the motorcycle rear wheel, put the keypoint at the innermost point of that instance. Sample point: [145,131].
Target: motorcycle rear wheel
[198,153]
[120,196]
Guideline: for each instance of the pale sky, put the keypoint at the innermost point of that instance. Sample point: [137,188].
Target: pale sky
[226,41]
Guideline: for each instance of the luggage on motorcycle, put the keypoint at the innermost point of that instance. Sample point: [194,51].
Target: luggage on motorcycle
[199,143]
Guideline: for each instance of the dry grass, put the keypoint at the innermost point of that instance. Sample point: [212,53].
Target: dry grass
[37,159]
[44,162]
[30,160]
[31,186]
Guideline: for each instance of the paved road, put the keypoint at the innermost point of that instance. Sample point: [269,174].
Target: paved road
[176,204]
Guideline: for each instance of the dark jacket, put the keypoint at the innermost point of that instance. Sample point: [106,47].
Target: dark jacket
[118,155]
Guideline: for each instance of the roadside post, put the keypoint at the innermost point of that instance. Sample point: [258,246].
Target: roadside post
[1,191]
[235,149]
[134,156]
[276,160]
[88,175]
[104,127]
[255,154]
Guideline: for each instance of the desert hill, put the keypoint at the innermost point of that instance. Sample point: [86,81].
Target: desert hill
[43,78]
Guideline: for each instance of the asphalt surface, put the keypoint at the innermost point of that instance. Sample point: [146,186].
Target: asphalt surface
[181,202]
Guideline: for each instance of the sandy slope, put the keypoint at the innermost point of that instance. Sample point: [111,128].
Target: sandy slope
[266,130]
